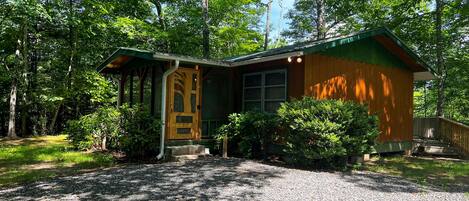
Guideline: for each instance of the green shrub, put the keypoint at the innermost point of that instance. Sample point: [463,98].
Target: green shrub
[326,131]
[141,133]
[251,132]
[96,131]
[131,130]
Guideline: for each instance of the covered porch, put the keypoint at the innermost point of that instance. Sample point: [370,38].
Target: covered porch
[191,96]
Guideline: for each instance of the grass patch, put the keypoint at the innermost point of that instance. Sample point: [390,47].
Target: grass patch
[31,159]
[425,171]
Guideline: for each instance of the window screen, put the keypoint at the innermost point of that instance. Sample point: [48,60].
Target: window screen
[264,91]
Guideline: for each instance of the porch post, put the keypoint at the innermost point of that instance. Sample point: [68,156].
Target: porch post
[142,74]
[140,90]
[153,91]
[121,87]
[131,88]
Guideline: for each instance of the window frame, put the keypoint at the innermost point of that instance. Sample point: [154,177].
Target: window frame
[263,88]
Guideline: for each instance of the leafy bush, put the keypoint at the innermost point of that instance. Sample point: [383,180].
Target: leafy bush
[141,133]
[97,131]
[251,132]
[328,130]
[132,130]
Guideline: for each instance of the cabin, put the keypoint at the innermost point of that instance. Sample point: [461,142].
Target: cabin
[193,96]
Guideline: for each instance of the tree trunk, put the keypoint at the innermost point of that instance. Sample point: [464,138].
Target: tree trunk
[439,59]
[320,21]
[24,60]
[54,119]
[161,20]
[32,87]
[267,25]
[72,45]
[43,123]
[103,143]
[159,12]
[11,121]
[205,31]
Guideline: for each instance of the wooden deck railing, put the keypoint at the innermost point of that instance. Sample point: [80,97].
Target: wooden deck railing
[455,133]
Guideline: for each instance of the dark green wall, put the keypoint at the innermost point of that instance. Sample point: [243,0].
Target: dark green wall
[216,99]
[365,50]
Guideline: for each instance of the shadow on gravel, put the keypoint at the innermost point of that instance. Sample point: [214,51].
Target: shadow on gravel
[390,184]
[379,182]
[199,179]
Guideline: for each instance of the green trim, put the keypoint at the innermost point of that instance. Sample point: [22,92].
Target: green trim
[367,51]
[342,41]
[125,52]
[392,147]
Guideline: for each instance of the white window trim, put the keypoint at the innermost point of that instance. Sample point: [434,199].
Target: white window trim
[263,100]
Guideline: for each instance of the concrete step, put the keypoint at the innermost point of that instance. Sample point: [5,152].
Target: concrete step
[439,150]
[185,150]
[429,142]
[182,158]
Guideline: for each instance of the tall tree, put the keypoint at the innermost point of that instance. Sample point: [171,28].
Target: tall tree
[162,22]
[440,66]
[233,28]
[206,30]
[318,19]
[267,25]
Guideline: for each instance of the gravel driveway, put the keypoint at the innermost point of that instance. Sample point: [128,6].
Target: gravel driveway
[226,179]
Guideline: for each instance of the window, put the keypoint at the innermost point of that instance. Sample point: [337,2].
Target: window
[264,91]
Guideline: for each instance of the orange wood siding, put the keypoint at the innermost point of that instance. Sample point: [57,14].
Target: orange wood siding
[388,91]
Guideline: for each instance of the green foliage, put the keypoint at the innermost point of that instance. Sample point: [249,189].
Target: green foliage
[51,48]
[140,133]
[252,132]
[62,42]
[311,130]
[234,27]
[99,130]
[326,130]
[132,130]
[339,18]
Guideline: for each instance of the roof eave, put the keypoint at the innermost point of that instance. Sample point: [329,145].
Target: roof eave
[333,42]
[267,58]
[409,51]
[157,57]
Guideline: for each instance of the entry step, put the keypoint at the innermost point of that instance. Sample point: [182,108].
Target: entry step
[186,150]
[182,158]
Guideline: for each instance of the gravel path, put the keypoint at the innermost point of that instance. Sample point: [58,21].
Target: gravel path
[226,179]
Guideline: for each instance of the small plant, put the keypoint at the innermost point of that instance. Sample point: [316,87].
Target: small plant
[251,132]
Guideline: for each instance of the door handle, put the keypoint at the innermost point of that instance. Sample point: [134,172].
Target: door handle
[198,107]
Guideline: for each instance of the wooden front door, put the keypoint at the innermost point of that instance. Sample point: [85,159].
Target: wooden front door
[184,104]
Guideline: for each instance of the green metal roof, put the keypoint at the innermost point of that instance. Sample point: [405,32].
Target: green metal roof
[157,56]
[305,47]
[319,45]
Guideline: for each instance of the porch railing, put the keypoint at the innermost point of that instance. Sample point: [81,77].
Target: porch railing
[455,133]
